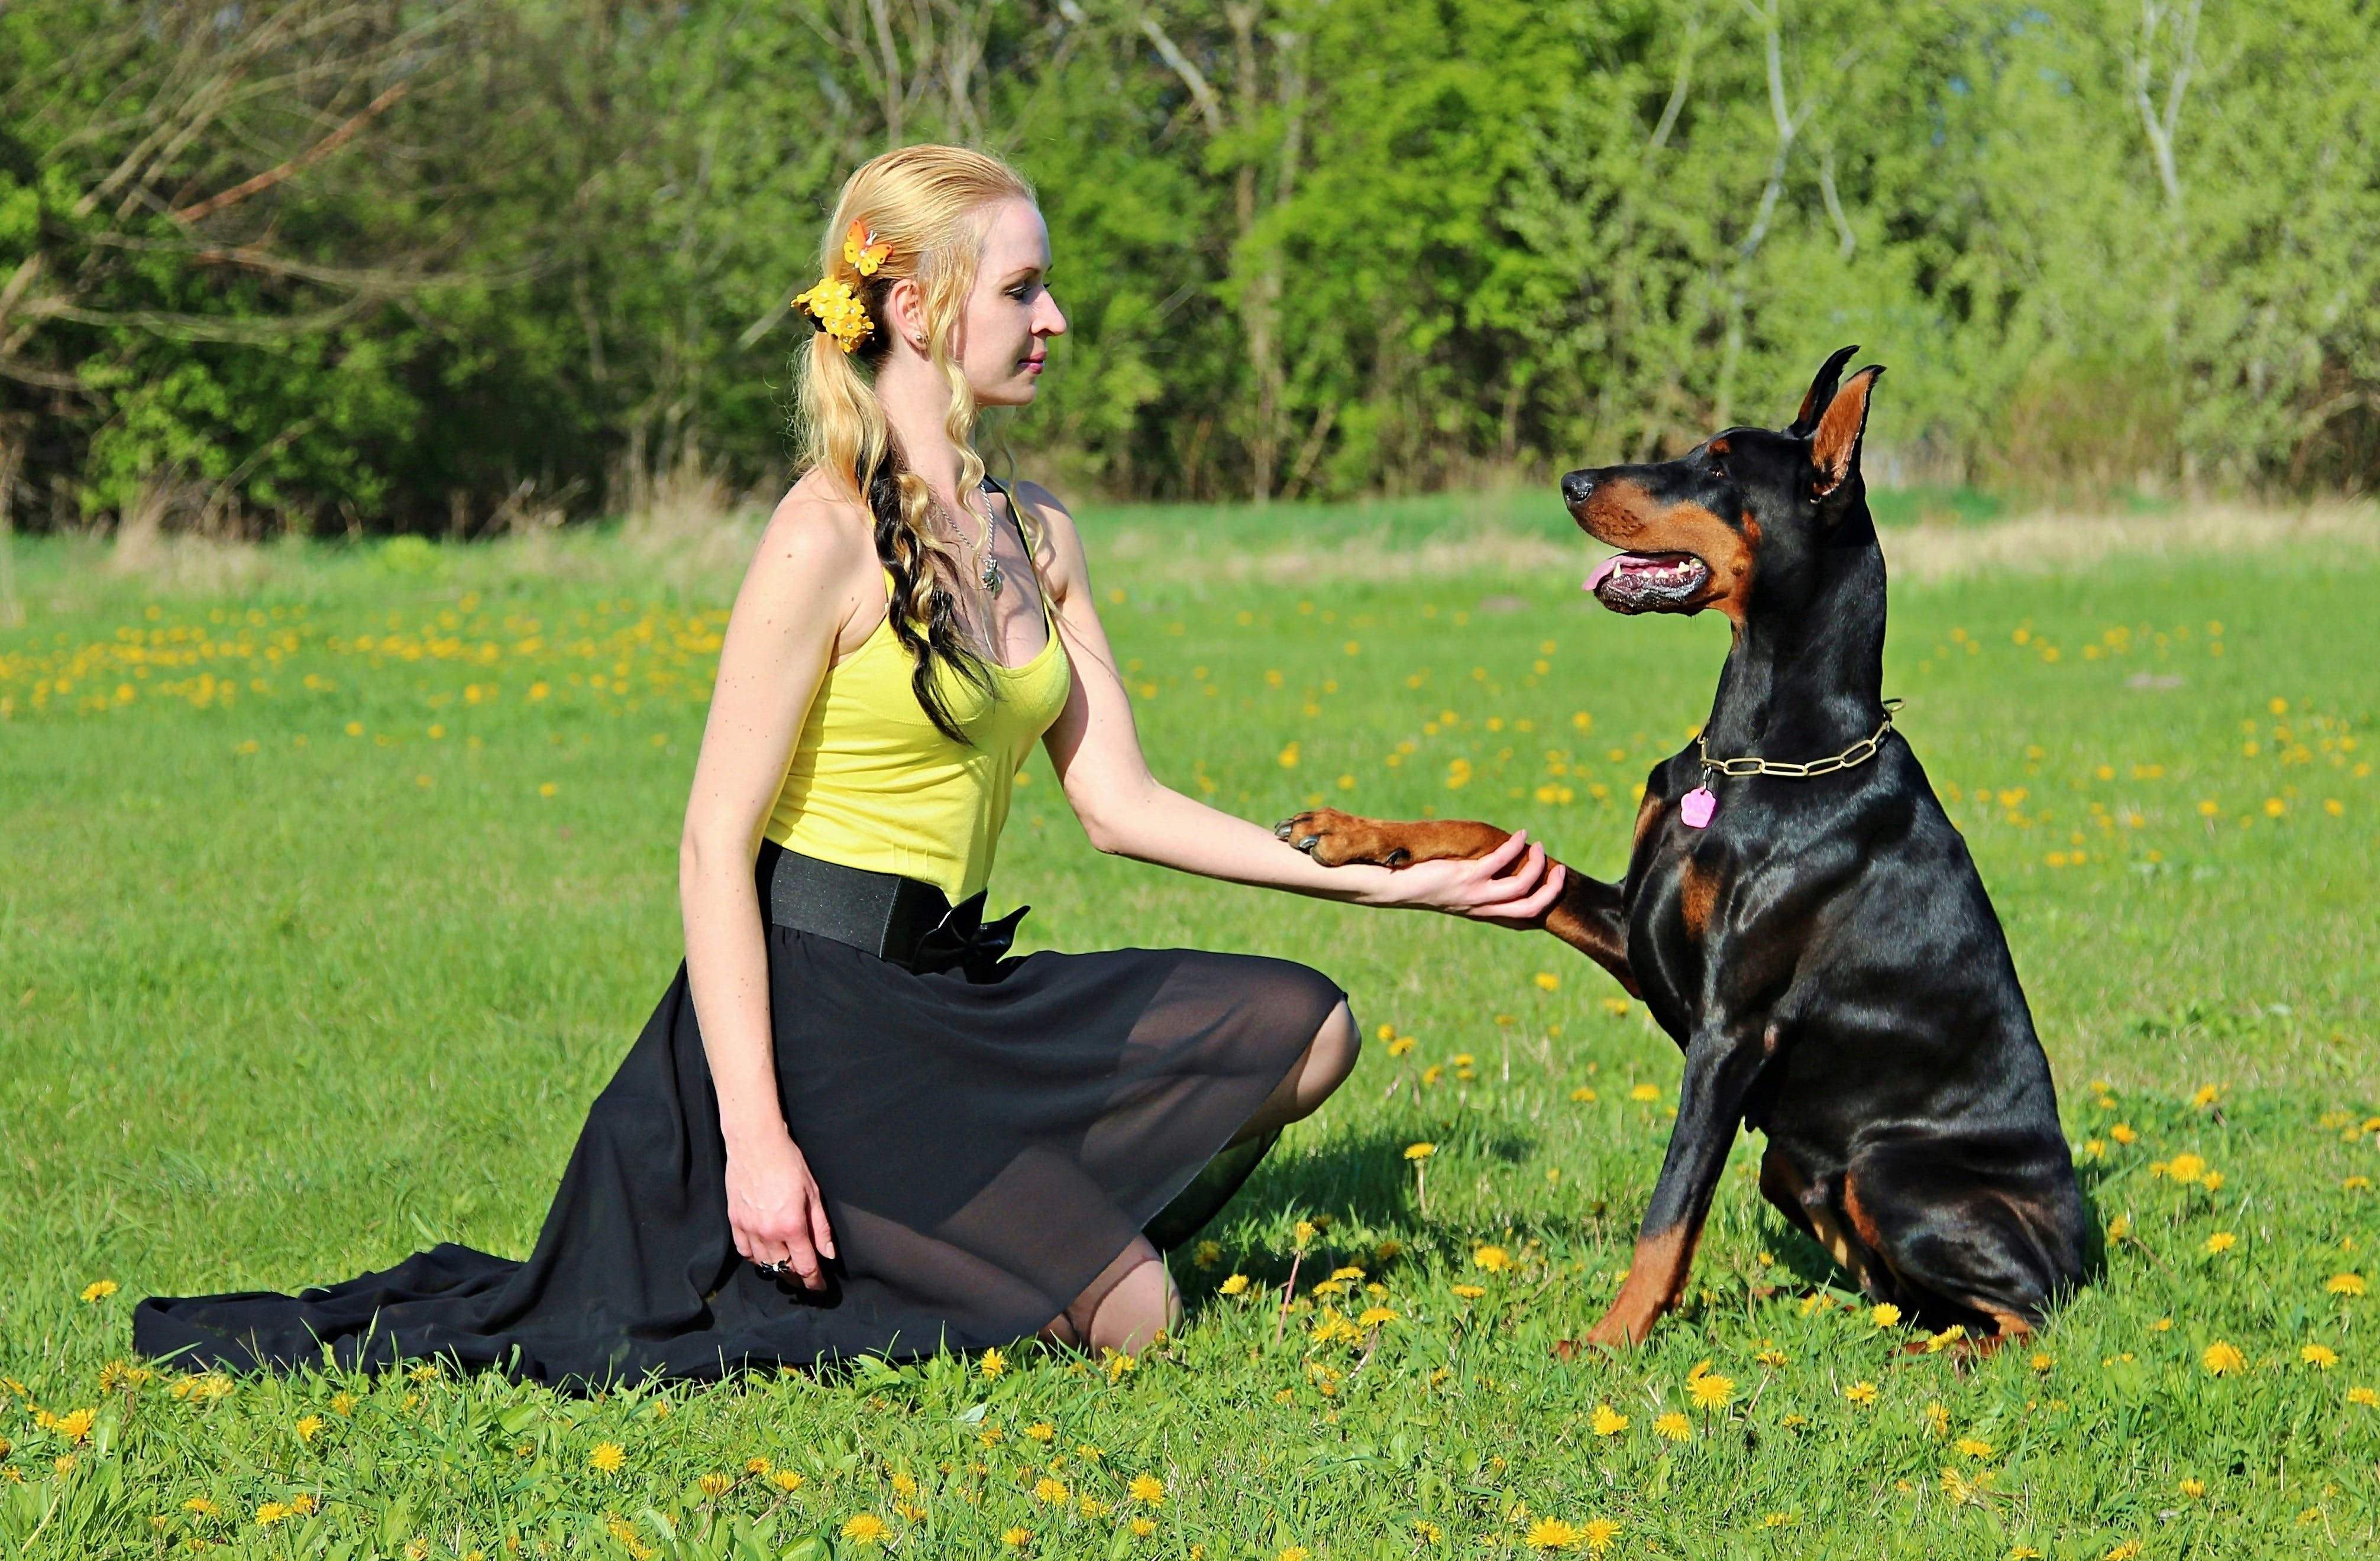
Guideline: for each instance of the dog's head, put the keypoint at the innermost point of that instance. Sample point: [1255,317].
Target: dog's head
[1745,504]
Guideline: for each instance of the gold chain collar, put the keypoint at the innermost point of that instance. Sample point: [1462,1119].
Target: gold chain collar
[1851,757]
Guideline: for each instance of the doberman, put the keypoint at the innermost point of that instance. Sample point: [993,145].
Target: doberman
[1799,913]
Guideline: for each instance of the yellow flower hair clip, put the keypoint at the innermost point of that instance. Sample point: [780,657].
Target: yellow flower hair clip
[833,303]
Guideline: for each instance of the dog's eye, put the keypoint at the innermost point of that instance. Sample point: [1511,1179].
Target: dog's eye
[1718,468]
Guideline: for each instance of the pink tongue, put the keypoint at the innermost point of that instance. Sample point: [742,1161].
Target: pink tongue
[1603,572]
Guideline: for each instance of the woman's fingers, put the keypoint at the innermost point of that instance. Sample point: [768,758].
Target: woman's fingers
[1530,911]
[1501,857]
[821,1234]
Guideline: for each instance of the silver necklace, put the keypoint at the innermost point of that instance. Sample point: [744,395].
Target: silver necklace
[987,573]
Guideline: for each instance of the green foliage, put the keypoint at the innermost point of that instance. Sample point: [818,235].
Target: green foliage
[1308,247]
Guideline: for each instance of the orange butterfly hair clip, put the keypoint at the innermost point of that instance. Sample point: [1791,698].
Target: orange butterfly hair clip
[862,250]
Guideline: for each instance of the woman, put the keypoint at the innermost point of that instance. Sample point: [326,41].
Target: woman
[852,1125]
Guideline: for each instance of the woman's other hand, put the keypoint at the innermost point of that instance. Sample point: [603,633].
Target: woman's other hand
[774,1209]
[1512,886]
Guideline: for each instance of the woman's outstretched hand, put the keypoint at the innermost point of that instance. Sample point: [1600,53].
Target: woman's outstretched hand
[1512,886]
[774,1208]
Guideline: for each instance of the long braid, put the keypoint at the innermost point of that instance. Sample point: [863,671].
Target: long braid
[918,597]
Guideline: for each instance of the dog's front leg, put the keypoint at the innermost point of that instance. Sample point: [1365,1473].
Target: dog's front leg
[1720,1071]
[1591,916]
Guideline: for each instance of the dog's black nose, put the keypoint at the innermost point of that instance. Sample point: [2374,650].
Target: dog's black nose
[1576,486]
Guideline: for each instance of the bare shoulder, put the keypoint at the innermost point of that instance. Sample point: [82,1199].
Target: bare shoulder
[818,534]
[1059,541]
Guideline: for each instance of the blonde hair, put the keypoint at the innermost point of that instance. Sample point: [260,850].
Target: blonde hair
[928,203]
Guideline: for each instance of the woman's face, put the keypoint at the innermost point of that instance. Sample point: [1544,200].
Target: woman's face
[1012,314]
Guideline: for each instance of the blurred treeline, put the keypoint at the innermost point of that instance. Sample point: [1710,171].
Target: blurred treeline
[438,264]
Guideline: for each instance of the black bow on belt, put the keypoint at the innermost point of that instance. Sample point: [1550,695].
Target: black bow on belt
[963,940]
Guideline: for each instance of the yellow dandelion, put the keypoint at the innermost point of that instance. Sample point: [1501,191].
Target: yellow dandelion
[2193,1488]
[1143,1526]
[1599,1534]
[865,1527]
[2321,1357]
[1016,1537]
[1148,1490]
[1646,1093]
[1494,1260]
[1861,1392]
[2220,1242]
[1608,1422]
[1292,1553]
[1674,1427]
[2122,1132]
[2185,1169]
[1373,1316]
[1711,1392]
[2345,1284]
[2364,1396]
[1234,1285]
[1469,1292]
[2223,1359]
[1974,1446]
[1884,1314]
[991,1364]
[1420,1151]
[203,1506]
[1547,981]
[99,1289]
[608,1457]
[716,1485]
[1551,1533]
[1041,1430]
[1049,1492]
[787,1480]
[309,1427]
[76,1427]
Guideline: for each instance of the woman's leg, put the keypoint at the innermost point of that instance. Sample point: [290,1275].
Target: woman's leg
[1123,1311]
[1322,1068]
[1137,1299]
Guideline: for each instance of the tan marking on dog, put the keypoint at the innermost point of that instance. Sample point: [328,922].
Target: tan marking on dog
[1623,515]
[1697,893]
[1648,813]
[1657,1276]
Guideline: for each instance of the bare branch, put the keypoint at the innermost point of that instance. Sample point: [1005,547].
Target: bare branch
[296,164]
[1677,103]
[1202,92]
[1834,201]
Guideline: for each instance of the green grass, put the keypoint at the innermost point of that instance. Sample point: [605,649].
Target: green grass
[279,1004]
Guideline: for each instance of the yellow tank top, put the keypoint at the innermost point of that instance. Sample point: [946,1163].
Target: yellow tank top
[873,784]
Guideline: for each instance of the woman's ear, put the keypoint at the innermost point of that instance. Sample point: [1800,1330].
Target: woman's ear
[905,309]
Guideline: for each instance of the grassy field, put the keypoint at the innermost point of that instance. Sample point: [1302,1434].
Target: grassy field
[336,881]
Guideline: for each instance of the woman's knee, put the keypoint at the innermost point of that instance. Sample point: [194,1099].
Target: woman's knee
[1331,1055]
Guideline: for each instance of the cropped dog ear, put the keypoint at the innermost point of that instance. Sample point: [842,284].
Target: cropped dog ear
[1834,443]
[1821,392]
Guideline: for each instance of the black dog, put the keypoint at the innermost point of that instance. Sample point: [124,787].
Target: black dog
[1799,913]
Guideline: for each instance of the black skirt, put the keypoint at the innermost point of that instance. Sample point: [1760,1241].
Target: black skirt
[989,1142]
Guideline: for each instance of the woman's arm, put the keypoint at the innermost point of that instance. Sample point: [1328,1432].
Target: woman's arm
[1126,811]
[802,587]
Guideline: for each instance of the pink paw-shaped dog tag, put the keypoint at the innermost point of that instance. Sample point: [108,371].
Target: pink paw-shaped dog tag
[1696,807]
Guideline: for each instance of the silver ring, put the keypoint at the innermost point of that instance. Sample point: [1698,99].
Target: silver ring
[769,1267]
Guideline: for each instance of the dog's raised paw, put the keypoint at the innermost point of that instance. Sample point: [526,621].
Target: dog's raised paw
[1336,839]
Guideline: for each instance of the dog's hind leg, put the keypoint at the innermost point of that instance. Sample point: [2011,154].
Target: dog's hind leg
[1997,1249]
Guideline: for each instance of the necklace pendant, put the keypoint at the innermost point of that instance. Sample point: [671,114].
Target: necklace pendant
[1697,806]
[992,576]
